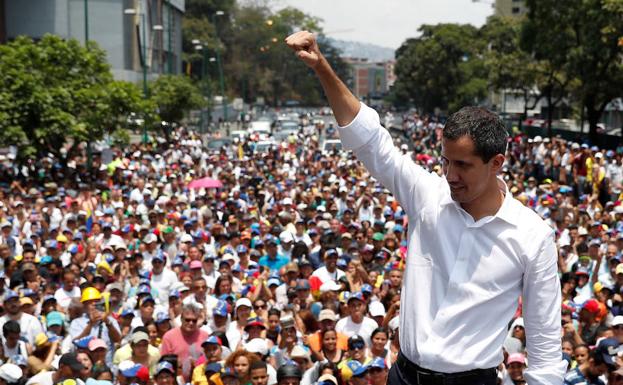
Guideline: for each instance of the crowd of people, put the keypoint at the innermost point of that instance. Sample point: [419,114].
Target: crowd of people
[288,271]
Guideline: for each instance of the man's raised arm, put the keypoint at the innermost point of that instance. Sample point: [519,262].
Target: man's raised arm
[344,104]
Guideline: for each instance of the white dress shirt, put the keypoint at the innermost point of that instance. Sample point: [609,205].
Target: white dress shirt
[463,277]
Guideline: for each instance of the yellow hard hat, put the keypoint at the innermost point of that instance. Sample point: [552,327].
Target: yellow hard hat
[90,293]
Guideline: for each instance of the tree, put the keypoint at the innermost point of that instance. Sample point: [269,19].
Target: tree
[581,39]
[443,68]
[174,96]
[56,92]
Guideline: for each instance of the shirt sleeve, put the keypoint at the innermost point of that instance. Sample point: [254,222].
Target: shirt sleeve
[541,310]
[373,145]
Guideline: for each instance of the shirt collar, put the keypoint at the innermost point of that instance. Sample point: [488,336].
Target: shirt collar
[507,212]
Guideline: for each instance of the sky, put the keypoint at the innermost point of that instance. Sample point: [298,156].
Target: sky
[388,23]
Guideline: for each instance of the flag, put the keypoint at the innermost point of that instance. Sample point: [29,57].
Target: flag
[89,222]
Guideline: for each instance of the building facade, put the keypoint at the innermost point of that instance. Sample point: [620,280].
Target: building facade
[510,8]
[132,32]
[371,80]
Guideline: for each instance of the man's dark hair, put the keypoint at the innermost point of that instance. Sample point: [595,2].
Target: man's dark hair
[11,327]
[485,128]
[258,365]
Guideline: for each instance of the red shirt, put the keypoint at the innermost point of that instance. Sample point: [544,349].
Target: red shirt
[185,348]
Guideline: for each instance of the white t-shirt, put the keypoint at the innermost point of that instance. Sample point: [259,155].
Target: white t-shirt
[63,298]
[163,283]
[19,349]
[43,378]
[349,328]
[324,275]
[29,326]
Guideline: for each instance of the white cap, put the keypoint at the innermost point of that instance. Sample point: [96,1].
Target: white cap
[376,309]
[10,372]
[299,352]
[257,345]
[538,139]
[286,201]
[150,238]
[599,155]
[330,286]
[186,238]
[618,320]
[286,236]
[243,302]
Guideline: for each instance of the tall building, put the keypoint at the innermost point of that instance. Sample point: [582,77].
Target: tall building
[371,80]
[510,8]
[132,32]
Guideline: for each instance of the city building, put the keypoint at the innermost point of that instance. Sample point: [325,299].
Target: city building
[371,80]
[132,32]
[510,8]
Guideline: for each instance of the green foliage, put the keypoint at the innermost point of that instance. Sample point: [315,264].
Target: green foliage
[174,96]
[442,68]
[580,39]
[256,63]
[55,92]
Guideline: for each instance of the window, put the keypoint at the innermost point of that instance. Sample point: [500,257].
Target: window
[516,10]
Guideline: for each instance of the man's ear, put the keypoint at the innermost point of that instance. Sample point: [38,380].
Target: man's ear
[497,162]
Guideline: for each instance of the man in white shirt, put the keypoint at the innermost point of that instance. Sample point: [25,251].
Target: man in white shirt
[69,290]
[29,325]
[357,323]
[473,249]
[329,272]
[162,278]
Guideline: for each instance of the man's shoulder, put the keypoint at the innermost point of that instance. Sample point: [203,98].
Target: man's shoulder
[529,220]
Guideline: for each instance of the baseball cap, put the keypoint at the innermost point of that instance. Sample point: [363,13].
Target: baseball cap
[244,302]
[582,271]
[220,308]
[378,237]
[130,371]
[286,322]
[377,362]
[327,379]
[608,348]
[618,320]
[71,360]
[357,368]
[330,286]
[138,337]
[356,341]
[592,306]
[83,343]
[10,373]
[97,343]
[516,357]
[254,321]
[376,309]
[257,345]
[164,365]
[327,314]
[214,340]
[54,318]
[195,265]
[358,295]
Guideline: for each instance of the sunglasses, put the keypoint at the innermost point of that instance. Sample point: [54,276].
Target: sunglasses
[357,346]
[260,306]
[190,320]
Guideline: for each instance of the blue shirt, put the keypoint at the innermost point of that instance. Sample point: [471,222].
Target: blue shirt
[274,264]
[575,376]
[100,331]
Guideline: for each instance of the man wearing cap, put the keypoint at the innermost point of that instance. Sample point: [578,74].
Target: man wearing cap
[29,324]
[600,362]
[10,374]
[357,323]
[162,278]
[590,327]
[273,260]
[329,272]
[212,350]
[68,367]
[165,374]
[473,249]
[127,351]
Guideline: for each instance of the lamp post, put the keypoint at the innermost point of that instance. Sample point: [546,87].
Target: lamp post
[220,66]
[86,45]
[169,22]
[142,39]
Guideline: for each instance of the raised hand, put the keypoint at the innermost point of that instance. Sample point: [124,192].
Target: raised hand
[306,48]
